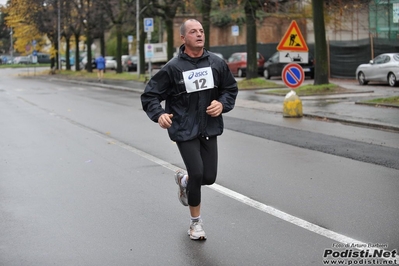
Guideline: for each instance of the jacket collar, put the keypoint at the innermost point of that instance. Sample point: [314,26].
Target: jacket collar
[185,56]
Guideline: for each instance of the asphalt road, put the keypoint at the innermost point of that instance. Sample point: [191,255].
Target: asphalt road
[87,179]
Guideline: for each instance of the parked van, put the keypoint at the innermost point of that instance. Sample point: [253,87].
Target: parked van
[159,54]
[43,58]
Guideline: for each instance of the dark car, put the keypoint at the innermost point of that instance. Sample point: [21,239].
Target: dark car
[273,67]
[237,63]
[43,58]
[129,63]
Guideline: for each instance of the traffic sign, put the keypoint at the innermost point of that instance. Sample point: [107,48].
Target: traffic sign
[130,38]
[235,30]
[293,75]
[148,24]
[293,57]
[149,51]
[293,40]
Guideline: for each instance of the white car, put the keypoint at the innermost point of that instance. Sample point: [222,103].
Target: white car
[383,68]
[110,62]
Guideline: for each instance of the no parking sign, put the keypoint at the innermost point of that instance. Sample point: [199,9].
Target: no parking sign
[293,75]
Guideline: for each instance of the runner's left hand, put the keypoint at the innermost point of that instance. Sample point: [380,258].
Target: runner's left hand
[215,109]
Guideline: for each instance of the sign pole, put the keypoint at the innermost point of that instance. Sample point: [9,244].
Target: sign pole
[149,27]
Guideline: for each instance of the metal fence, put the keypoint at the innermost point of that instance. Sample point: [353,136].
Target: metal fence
[345,56]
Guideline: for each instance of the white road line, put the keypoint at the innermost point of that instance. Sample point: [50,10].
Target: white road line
[359,245]
[232,194]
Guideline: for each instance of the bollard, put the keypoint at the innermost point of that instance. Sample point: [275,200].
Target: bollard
[292,105]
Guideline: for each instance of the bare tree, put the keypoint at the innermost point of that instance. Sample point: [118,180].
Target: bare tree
[167,9]
[118,12]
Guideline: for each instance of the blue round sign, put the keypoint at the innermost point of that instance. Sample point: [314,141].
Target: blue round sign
[293,75]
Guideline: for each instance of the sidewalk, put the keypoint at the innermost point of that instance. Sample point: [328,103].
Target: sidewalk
[342,108]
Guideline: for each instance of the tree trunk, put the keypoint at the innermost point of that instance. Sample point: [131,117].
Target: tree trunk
[119,48]
[169,32]
[252,62]
[102,43]
[142,50]
[206,20]
[321,65]
[57,62]
[89,57]
[77,52]
[67,53]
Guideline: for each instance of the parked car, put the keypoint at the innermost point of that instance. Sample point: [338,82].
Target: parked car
[383,68]
[273,67]
[5,59]
[71,61]
[221,56]
[110,62]
[43,58]
[237,63]
[129,63]
[23,60]
[83,63]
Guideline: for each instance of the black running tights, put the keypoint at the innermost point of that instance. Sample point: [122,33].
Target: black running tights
[200,156]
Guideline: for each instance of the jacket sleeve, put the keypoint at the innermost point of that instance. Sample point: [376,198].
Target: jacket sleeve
[155,92]
[228,89]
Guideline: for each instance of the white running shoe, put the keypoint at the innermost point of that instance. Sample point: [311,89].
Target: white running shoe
[181,192]
[196,231]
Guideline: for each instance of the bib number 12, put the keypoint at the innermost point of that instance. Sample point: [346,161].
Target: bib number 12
[200,86]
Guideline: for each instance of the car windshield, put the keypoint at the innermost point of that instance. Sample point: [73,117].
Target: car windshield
[396,57]
[109,58]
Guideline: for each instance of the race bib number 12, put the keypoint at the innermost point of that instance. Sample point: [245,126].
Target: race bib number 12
[198,79]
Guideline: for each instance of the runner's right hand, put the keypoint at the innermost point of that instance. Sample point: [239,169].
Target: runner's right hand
[165,120]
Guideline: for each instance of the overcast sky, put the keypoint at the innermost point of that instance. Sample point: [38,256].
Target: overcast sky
[3,2]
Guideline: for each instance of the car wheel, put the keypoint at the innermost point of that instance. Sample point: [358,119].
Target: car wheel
[362,78]
[392,80]
[266,74]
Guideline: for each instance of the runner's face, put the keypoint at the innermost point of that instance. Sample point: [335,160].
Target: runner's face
[194,38]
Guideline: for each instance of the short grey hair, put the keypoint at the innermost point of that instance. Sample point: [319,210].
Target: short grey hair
[183,26]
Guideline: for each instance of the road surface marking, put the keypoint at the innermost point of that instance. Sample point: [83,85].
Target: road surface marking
[253,203]
[228,192]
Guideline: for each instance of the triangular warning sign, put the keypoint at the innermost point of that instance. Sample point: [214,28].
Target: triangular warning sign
[293,40]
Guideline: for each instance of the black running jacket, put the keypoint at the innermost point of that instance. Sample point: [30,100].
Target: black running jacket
[190,119]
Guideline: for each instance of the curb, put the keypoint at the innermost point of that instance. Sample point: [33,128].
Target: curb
[351,122]
[311,116]
[378,104]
